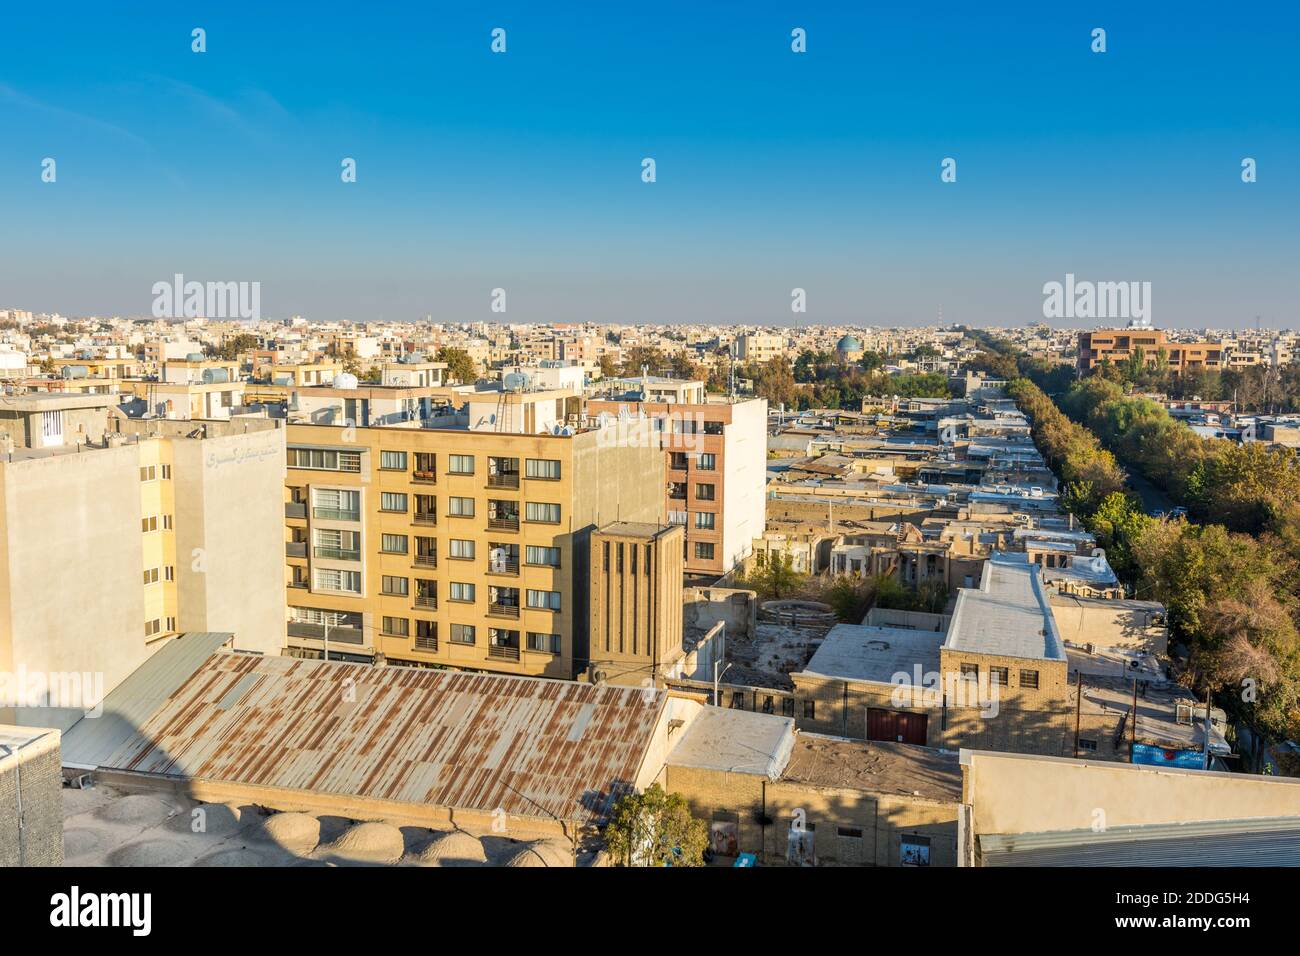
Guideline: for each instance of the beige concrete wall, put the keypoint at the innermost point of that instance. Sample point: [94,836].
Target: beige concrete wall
[744,479]
[72,595]
[229,495]
[1108,625]
[1013,793]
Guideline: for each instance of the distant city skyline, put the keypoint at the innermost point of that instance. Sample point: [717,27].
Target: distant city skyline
[775,170]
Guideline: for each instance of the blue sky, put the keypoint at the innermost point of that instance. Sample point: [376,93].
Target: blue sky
[775,170]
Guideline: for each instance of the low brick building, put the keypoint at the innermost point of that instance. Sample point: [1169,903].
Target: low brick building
[31,797]
[806,799]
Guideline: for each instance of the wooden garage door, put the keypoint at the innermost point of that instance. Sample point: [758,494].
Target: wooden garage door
[896,725]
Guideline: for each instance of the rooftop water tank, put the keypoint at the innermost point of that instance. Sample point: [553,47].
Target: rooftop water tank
[345,380]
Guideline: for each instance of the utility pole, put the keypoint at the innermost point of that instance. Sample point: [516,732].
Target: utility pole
[1133,731]
[1078,709]
[1206,764]
[716,677]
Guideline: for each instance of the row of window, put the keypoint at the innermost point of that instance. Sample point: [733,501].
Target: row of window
[1002,675]
[154,522]
[466,549]
[461,592]
[688,426]
[426,635]
[705,461]
[157,624]
[343,504]
[323,459]
[704,520]
[150,472]
[458,507]
[703,491]
[154,575]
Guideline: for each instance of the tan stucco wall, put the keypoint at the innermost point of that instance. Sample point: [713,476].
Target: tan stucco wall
[230,537]
[1013,793]
[73,554]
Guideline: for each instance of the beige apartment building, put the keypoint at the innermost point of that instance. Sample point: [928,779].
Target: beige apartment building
[715,449]
[118,534]
[759,347]
[460,546]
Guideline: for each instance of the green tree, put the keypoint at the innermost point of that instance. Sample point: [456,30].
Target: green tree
[775,382]
[643,357]
[774,577]
[655,828]
[461,367]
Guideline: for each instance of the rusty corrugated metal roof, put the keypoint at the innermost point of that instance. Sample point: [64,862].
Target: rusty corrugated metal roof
[527,746]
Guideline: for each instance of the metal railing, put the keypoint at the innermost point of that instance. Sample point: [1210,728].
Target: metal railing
[504,524]
[425,517]
[336,514]
[503,610]
[509,479]
[295,549]
[347,635]
[506,566]
[426,600]
[503,651]
[295,509]
[425,560]
[338,554]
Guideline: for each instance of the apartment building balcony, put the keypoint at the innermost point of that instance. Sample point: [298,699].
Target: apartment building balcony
[504,524]
[503,610]
[425,518]
[424,472]
[344,635]
[504,652]
[506,480]
[295,549]
[295,509]
[508,566]
[336,514]
[425,561]
[338,554]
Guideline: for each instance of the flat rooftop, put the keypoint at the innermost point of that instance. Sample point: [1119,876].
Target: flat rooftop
[863,652]
[736,741]
[636,529]
[874,767]
[1008,615]
[58,401]
[1157,712]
